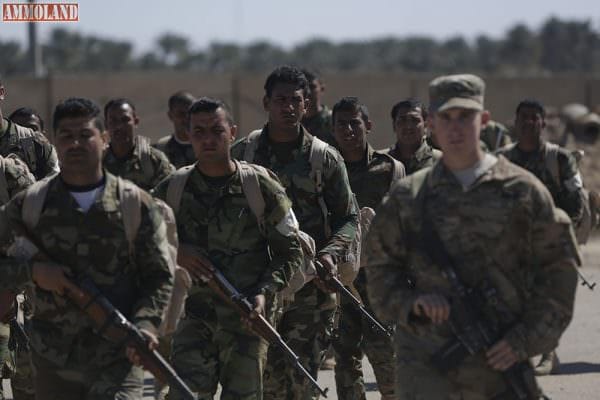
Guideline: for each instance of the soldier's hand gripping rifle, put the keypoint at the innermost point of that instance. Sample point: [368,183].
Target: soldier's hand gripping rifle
[335,284]
[224,289]
[113,326]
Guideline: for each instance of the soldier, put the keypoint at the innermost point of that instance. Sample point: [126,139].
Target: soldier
[217,229]
[326,211]
[31,147]
[129,155]
[371,174]
[15,177]
[80,231]
[177,146]
[409,122]
[471,224]
[317,119]
[556,167]
[29,118]
[495,136]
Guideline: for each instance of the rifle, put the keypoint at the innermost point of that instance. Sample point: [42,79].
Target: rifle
[224,289]
[114,326]
[334,283]
[473,333]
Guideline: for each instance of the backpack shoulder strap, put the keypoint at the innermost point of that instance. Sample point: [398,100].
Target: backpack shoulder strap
[398,171]
[551,160]
[251,145]
[25,138]
[4,196]
[131,210]
[33,203]
[251,188]
[145,153]
[177,185]
[318,149]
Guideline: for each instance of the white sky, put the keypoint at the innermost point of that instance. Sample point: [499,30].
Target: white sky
[290,22]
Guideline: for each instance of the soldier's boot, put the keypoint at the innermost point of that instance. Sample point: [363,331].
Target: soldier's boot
[548,364]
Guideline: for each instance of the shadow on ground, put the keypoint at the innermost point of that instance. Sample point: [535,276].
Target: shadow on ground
[578,368]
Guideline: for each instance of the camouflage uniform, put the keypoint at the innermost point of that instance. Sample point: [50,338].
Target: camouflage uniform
[567,194]
[210,345]
[320,125]
[146,166]
[307,322]
[17,178]
[531,268]
[425,156]
[495,136]
[70,359]
[35,150]
[370,180]
[179,154]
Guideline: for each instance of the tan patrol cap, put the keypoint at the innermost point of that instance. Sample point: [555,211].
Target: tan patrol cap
[463,91]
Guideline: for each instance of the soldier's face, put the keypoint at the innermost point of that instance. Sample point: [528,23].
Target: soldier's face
[457,130]
[316,92]
[178,116]
[79,144]
[286,106]
[350,131]
[211,135]
[529,123]
[409,126]
[121,122]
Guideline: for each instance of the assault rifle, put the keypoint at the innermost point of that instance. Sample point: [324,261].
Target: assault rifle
[113,326]
[335,284]
[473,333]
[224,289]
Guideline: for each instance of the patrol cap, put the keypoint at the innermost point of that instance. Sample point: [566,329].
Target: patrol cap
[463,91]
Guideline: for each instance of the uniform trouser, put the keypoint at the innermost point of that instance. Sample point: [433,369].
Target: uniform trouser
[306,327]
[355,337]
[119,380]
[4,355]
[204,357]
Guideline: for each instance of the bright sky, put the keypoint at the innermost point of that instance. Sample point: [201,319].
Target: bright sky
[290,22]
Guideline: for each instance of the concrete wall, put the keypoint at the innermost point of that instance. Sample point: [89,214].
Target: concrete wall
[150,91]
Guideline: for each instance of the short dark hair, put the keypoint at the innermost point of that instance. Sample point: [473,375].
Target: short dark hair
[208,104]
[531,103]
[287,74]
[181,98]
[118,102]
[311,74]
[350,104]
[410,104]
[26,112]
[76,107]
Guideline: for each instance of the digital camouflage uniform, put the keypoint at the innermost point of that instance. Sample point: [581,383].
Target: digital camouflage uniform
[321,125]
[425,156]
[71,361]
[34,150]
[495,136]
[211,346]
[370,180]
[568,193]
[145,166]
[531,268]
[17,178]
[179,154]
[307,322]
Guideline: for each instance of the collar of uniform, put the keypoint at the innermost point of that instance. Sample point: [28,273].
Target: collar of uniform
[540,150]
[134,157]
[423,152]
[109,194]
[307,138]
[370,152]
[441,175]
[233,185]
[4,124]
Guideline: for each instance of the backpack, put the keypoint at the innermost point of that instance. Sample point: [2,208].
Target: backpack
[582,231]
[130,197]
[349,263]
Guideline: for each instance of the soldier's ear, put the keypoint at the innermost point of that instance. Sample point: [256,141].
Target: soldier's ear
[234,130]
[136,120]
[368,125]
[2,92]
[485,117]
[265,103]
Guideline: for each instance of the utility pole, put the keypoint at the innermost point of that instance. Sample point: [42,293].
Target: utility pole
[35,50]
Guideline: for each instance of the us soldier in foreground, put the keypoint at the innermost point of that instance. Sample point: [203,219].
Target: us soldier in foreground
[218,229]
[371,174]
[534,154]
[16,177]
[408,119]
[495,226]
[317,119]
[177,146]
[31,147]
[284,146]
[80,234]
[129,155]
